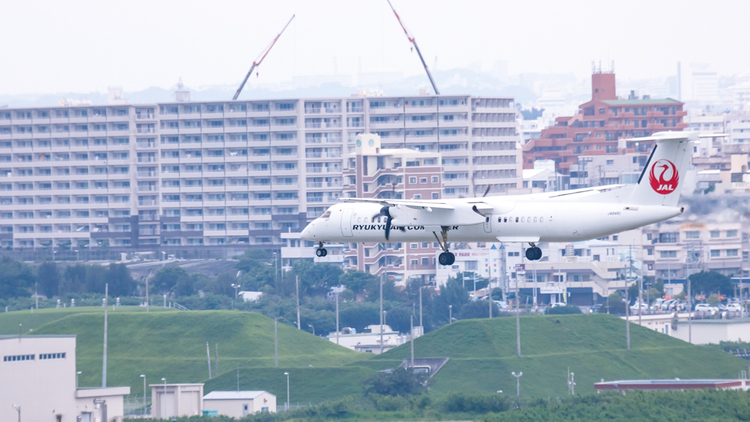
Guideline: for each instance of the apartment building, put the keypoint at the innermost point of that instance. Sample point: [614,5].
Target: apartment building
[395,173]
[601,124]
[199,179]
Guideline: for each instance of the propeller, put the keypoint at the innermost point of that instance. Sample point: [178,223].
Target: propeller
[385,212]
[487,190]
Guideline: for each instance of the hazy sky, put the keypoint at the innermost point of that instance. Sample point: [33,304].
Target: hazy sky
[84,46]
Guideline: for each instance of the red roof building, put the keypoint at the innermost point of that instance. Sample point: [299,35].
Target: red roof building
[600,123]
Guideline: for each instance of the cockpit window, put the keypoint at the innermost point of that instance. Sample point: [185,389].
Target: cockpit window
[326,214]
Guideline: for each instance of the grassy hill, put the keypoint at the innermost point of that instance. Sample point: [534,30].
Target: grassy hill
[32,320]
[173,345]
[482,355]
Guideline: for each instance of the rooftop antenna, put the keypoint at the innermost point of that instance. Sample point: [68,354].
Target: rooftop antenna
[413,41]
[260,58]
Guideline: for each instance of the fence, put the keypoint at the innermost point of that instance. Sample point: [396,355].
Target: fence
[133,406]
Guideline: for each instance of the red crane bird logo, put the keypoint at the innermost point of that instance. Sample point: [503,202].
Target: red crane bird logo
[667,179]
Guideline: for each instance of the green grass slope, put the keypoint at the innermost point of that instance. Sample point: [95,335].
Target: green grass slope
[173,345]
[306,385]
[482,355]
[32,320]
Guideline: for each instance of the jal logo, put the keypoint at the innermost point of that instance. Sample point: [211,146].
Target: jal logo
[664,177]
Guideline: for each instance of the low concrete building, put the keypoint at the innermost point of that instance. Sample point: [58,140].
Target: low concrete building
[674,384]
[168,400]
[238,404]
[369,340]
[38,376]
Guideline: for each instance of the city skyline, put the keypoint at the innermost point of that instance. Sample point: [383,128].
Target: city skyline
[77,47]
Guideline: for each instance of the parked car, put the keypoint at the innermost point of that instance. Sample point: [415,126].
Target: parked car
[639,305]
[501,304]
[595,309]
[733,307]
[706,309]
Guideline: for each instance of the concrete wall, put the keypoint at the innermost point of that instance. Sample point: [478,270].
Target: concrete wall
[176,400]
[42,387]
[236,407]
[714,331]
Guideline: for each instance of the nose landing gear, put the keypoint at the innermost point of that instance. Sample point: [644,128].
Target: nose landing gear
[446,257]
[534,253]
[321,251]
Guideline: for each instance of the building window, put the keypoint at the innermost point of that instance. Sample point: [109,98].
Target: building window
[731,233]
[412,180]
[667,237]
[435,179]
[668,254]
[692,234]
[715,233]
[715,253]
[732,252]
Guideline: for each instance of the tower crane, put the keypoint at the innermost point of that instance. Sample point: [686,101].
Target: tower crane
[260,58]
[413,41]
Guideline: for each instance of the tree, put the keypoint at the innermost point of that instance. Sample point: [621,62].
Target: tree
[96,276]
[48,278]
[358,315]
[166,278]
[315,279]
[477,309]
[713,300]
[399,382]
[707,282]
[451,294]
[16,278]
[399,320]
[357,281]
[120,281]
[564,310]
[73,280]
[615,304]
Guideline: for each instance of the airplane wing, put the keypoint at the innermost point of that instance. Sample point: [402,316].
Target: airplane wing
[430,213]
[415,204]
[568,194]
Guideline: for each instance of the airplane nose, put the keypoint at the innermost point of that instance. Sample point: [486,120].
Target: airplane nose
[307,233]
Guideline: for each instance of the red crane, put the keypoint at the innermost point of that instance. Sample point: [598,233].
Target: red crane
[260,58]
[413,41]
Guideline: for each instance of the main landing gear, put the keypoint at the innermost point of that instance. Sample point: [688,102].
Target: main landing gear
[321,251]
[534,253]
[447,257]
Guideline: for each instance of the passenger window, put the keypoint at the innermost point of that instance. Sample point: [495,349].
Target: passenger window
[535,219]
[523,219]
[529,220]
[506,219]
[541,219]
[516,219]
[500,219]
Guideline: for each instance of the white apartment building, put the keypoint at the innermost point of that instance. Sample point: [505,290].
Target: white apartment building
[200,179]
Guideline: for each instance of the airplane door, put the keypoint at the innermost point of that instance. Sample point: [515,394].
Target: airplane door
[488,223]
[346,222]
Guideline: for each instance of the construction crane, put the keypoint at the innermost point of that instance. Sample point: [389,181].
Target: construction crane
[260,58]
[411,40]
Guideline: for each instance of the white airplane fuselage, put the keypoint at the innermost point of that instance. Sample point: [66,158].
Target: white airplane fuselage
[511,219]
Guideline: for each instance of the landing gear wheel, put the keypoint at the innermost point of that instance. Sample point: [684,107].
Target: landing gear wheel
[534,253]
[446,258]
[321,252]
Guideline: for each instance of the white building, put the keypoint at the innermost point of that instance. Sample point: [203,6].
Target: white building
[168,400]
[224,175]
[38,376]
[238,404]
[370,340]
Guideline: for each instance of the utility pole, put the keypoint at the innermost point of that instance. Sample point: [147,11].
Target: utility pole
[411,321]
[147,304]
[381,312]
[296,282]
[690,311]
[518,382]
[421,327]
[337,318]
[627,300]
[208,354]
[217,360]
[104,360]
[276,341]
[518,308]
[36,294]
[489,295]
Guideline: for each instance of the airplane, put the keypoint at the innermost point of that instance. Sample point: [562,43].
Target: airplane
[563,216]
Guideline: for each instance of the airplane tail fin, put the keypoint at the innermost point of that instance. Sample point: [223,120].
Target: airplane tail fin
[663,175]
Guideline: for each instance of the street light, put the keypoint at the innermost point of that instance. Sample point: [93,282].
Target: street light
[235,286]
[18,409]
[78,254]
[144,393]
[313,328]
[164,405]
[287,390]
[518,382]
[77,374]
[450,314]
